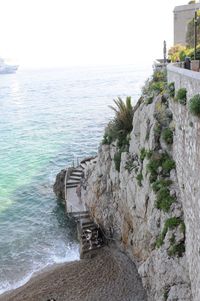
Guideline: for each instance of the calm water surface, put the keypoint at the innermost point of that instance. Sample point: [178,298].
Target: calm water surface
[48,118]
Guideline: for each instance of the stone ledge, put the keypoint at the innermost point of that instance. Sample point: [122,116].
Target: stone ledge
[189,73]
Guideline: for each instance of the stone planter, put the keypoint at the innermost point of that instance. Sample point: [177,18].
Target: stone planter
[195,65]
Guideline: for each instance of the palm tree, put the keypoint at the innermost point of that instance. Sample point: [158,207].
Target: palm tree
[123,115]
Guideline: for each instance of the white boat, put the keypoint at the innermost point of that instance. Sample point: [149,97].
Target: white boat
[6,68]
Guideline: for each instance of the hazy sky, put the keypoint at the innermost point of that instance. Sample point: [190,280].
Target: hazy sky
[40,33]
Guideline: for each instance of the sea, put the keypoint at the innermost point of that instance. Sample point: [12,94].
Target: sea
[48,119]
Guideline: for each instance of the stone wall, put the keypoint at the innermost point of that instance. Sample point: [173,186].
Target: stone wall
[186,151]
[184,78]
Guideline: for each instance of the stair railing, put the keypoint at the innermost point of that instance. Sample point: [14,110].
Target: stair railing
[66,190]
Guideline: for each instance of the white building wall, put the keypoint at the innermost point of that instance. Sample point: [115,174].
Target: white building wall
[182,15]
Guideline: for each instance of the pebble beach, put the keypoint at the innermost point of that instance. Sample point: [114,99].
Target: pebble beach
[109,276]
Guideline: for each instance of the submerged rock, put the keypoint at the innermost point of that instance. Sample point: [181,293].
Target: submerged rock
[59,185]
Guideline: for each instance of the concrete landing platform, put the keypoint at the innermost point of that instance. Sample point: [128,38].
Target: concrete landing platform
[73,203]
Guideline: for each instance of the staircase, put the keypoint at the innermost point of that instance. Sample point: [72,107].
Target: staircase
[89,233]
[75,178]
[90,237]
[78,172]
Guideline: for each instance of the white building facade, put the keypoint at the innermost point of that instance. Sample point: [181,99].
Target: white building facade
[182,15]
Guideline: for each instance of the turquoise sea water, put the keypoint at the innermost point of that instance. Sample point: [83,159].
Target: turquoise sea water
[48,118]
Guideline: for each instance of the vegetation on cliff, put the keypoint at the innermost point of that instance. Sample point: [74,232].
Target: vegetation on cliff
[194,105]
[119,128]
[142,198]
[159,162]
[155,85]
[153,164]
[181,96]
[121,125]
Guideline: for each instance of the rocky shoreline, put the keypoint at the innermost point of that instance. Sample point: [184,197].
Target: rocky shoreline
[133,192]
[136,194]
[110,275]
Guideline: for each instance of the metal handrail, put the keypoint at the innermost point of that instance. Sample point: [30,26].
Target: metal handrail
[66,190]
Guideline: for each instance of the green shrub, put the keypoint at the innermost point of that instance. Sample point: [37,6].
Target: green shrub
[143,153]
[171,89]
[117,160]
[154,163]
[160,160]
[182,55]
[194,105]
[130,165]
[152,178]
[111,133]
[146,88]
[177,249]
[161,183]
[174,52]
[160,75]
[157,87]
[139,179]
[191,51]
[157,130]
[164,199]
[123,141]
[168,164]
[149,100]
[159,241]
[167,135]
[152,166]
[149,154]
[170,223]
[106,139]
[181,96]
[183,227]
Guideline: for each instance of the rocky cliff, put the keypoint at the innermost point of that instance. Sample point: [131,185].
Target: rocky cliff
[137,199]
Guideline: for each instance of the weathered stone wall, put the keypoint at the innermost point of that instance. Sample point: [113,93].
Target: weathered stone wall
[187,156]
[125,207]
[184,78]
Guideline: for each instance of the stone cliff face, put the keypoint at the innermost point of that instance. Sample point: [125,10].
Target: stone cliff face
[140,206]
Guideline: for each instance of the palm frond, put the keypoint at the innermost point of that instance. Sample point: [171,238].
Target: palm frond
[123,114]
